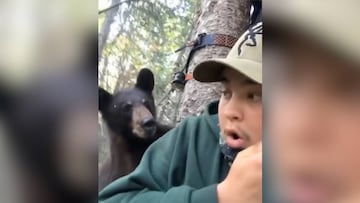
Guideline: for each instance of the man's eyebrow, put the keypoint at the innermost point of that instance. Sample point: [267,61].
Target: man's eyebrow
[243,81]
[248,81]
[224,80]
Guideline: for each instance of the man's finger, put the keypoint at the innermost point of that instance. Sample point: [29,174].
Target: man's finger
[253,152]
[254,149]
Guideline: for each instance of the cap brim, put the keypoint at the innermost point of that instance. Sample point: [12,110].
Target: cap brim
[211,70]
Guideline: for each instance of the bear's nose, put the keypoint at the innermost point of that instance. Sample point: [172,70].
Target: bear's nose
[149,123]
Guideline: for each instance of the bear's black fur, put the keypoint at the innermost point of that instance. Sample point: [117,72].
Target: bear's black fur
[130,115]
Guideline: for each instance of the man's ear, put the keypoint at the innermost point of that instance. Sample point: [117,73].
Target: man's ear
[145,80]
[104,99]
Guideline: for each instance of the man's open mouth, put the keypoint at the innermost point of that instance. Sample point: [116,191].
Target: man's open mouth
[308,189]
[234,140]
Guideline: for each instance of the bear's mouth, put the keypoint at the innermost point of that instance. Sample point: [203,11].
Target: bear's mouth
[145,133]
[149,131]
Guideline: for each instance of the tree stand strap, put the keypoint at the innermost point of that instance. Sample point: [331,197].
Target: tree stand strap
[204,40]
[224,40]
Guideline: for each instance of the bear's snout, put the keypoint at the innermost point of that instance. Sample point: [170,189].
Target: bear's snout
[149,126]
[144,124]
[149,123]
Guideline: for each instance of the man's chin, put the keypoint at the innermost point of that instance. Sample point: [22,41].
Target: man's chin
[308,192]
[230,153]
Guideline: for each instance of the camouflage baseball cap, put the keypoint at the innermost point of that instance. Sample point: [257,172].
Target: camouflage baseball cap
[245,57]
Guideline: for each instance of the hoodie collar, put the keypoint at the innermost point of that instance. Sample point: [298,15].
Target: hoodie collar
[212,118]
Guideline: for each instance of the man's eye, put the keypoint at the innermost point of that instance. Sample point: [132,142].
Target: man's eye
[255,97]
[227,94]
[348,89]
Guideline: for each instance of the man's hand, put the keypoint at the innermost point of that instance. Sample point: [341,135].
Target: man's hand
[244,181]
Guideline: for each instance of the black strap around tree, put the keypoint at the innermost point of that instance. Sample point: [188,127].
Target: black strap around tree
[204,40]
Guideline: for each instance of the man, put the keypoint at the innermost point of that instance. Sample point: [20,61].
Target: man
[314,107]
[192,163]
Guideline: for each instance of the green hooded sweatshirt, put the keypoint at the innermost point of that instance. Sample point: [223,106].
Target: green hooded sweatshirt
[184,166]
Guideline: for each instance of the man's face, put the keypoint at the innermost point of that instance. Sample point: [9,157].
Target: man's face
[240,110]
[314,122]
[77,149]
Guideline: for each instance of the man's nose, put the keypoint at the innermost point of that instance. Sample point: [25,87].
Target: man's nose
[311,120]
[233,111]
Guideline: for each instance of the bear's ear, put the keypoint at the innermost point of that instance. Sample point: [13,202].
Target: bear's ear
[104,99]
[145,80]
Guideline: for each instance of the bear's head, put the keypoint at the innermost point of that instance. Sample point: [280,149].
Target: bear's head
[131,112]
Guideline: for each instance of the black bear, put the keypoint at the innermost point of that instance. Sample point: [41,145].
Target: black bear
[130,116]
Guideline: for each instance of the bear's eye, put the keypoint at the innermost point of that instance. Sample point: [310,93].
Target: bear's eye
[127,106]
[146,103]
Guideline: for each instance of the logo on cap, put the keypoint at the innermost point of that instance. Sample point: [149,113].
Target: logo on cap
[250,34]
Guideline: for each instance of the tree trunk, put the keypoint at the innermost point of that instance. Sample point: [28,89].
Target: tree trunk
[105,29]
[230,17]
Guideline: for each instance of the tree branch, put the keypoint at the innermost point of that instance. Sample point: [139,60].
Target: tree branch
[112,6]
